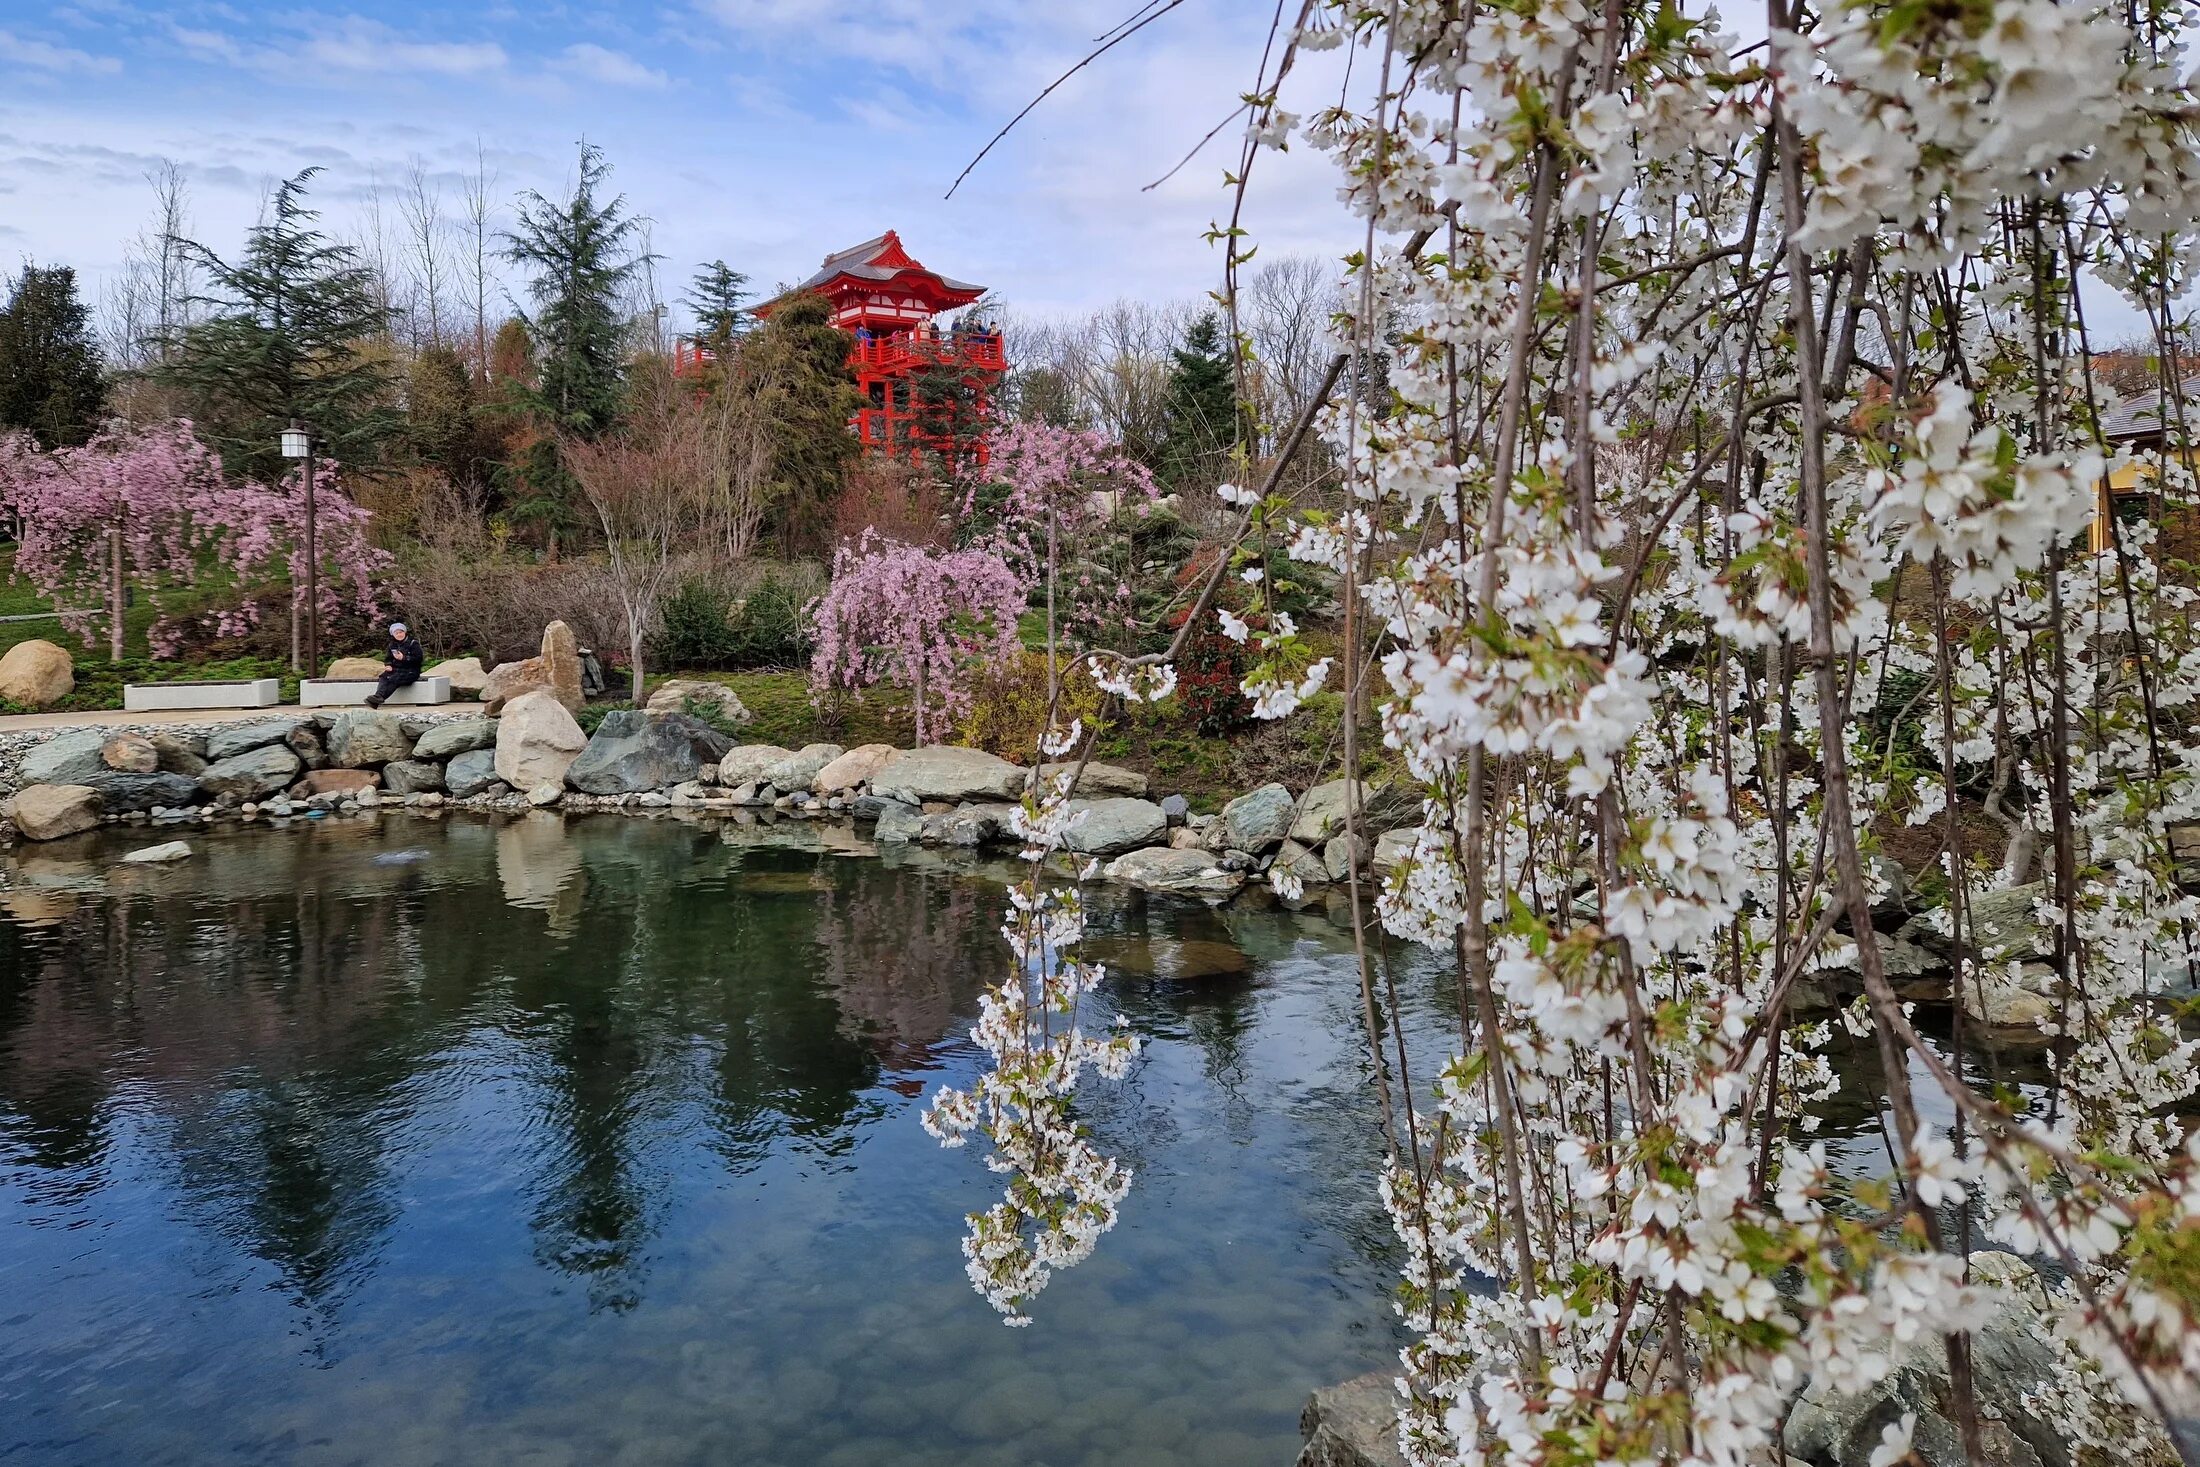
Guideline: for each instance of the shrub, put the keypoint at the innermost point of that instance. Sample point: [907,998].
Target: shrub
[1008,705]
[706,623]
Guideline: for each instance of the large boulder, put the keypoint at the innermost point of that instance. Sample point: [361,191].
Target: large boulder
[36,674]
[686,694]
[235,738]
[942,772]
[355,669]
[51,811]
[1382,808]
[1395,847]
[130,753]
[470,773]
[1352,1425]
[1179,873]
[1999,926]
[555,669]
[1302,862]
[336,782]
[2012,1358]
[1100,780]
[2016,1002]
[746,764]
[64,759]
[466,675]
[454,736]
[306,742]
[122,793]
[706,743]
[537,739]
[365,738]
[898,823]
[254,773]
[631,753]
[853,769]
[1113,826]
[799,770]
[412,776]
[1254,822]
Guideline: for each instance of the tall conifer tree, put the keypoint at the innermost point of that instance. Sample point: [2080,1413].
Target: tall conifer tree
[50,383]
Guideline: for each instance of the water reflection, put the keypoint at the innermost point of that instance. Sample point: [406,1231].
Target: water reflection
[595,1139]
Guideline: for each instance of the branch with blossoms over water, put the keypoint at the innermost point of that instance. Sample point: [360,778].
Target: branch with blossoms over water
[1062,1193]
[1730,513]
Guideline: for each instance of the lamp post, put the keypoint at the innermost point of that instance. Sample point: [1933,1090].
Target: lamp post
[298,444]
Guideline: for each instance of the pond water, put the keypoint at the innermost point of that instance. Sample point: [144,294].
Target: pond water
[596,1142]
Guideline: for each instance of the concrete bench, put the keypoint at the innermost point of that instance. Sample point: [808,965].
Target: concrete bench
[259,692]
[333,692]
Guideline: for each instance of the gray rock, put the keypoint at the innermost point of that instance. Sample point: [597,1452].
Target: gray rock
[1341,853]
[130,753]
[898,823]
[1176,808]
[707,744]
[470,773]
[309,744]
[969,826]
[64,759]
[124,794]
[1257,821]
[1352,1425]
[941,772]
[1101,780]
[1394,847]
[254,774]
[1383,808]
[2010,1357]
[870,807]
[412,776]
[1183,873]
[746,763]
[1306,864]
[361,740]
[1999,926]
[799,770]
[544,795]
[167,851]
[233,739]
[1990,996]
[454,736]
[178,756]
[1114,826]
[633,751]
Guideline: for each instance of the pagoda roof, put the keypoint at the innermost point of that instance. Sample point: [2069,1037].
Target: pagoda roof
[880,261]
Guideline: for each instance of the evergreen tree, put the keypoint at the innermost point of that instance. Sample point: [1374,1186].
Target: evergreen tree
[1199,409]
[295,330]
[797,365]
[716,298]
[443,416]
[581,259]
[50,384]
[953,410]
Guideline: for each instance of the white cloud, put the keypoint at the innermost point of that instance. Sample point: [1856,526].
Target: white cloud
[592,62]
[47,57]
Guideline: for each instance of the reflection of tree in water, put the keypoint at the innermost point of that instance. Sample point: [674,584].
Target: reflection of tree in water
[904,953]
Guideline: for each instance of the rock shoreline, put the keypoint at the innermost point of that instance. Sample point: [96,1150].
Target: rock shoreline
[533,755]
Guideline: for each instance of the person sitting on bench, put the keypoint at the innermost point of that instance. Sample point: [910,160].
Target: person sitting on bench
[401,665]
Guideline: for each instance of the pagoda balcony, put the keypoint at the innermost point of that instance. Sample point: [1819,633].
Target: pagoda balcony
[925,348]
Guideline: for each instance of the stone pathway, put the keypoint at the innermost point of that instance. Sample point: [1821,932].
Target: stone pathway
[116,718]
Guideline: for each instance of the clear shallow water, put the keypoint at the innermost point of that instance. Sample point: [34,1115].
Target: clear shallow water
[597,1143]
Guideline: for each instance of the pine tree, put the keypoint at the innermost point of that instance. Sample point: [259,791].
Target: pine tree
[797,365]
[581,257]
[953,410]
[1199,410]
[294,331]
[716,298]
[50,383]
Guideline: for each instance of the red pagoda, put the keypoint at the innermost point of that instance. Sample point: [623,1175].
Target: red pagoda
[889,304]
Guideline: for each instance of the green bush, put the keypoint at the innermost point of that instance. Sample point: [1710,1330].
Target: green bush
[697,625]
[706,626]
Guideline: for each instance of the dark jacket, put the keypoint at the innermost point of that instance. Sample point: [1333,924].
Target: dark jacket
[403,656]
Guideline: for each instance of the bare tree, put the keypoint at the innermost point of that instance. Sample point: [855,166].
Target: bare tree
[479,211]
[427,236]
[642,484]
[1289,305]
[150,300]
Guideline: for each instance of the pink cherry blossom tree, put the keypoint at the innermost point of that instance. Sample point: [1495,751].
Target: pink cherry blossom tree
[917,618]
[148,506]
[1054,509]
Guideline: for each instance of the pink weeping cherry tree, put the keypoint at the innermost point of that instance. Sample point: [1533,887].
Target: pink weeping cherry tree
[917,618]
[148,506]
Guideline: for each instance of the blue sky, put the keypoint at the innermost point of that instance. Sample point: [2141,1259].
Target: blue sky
[764,131]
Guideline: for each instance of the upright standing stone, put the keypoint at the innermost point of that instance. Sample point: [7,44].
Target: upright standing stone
[537,741]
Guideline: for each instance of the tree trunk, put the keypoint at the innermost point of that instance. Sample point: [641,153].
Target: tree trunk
[117,597]
[634,652]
